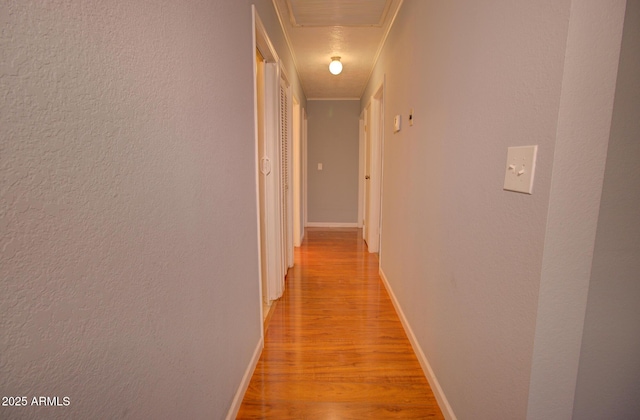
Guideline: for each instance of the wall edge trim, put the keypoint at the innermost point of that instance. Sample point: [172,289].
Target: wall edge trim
[447,411]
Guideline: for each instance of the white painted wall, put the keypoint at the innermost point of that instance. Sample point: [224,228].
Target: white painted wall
[469,263]
[128,238]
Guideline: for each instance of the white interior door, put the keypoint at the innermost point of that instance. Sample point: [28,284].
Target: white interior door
[297,179]
[367,173]
[373,190]
[361,171]
[262,171]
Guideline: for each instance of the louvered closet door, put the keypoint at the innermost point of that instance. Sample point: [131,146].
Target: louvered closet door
[284,173]
[284,130]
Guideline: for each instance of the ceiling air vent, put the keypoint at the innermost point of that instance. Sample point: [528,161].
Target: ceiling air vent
[338,12]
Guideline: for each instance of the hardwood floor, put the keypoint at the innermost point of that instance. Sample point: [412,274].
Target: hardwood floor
[335,348]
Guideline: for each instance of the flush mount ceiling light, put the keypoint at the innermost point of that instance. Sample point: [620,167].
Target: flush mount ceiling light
[335,67]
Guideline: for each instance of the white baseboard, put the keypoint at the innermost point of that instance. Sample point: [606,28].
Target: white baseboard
[244,384]
[331,224]
[447,411]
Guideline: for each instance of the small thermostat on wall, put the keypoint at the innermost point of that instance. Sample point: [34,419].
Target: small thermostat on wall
[397,122]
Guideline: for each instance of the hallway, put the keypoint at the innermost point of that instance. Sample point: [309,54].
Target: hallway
[335,347]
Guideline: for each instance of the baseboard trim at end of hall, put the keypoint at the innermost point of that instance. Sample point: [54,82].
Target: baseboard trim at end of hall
[447,411]
[244,384]
[332,225]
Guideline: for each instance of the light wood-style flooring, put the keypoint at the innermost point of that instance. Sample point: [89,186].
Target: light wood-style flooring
[335,347]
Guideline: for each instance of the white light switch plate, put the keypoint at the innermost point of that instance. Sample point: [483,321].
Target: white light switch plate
[521,166]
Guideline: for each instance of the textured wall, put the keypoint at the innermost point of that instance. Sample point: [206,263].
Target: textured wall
[463,256]
[333,141]
[128,238]
[609,374]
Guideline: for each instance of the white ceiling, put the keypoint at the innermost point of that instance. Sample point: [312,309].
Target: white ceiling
[317,30]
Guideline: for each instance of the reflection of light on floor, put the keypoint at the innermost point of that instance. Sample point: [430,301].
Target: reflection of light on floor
[332,415]
[335,347]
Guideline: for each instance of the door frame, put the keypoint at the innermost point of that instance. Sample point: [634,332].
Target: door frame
[267,168]
[305,169]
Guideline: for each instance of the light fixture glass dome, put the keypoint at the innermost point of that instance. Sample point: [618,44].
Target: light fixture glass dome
[335,67]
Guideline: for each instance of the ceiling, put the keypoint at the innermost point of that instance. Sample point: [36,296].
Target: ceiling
[317,30]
